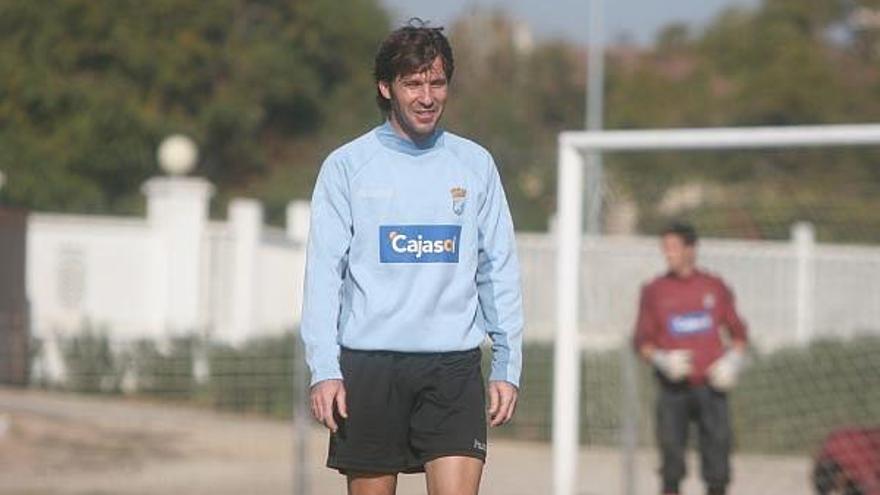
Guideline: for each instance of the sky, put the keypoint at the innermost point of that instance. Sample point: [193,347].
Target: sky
[638,20]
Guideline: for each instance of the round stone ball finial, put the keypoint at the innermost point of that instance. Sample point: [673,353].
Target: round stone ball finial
[178,155]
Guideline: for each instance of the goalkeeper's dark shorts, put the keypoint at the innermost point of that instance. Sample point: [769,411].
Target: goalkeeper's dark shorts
[405,409]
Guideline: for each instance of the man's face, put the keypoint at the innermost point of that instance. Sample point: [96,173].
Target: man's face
[680,257]
[417,100]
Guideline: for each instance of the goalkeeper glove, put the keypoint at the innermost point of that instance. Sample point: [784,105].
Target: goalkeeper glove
[674,364]
[725,370]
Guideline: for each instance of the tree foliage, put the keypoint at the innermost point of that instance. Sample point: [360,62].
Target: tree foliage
[89,88]
[787,62]
[267,88]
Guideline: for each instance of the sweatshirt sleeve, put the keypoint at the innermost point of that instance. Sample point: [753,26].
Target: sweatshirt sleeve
[732,320]
[498,282]
[330,234]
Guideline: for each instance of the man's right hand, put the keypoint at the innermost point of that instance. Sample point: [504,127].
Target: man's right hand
[675,364]
[325,396]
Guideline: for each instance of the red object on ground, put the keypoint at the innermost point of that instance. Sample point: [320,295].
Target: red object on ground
[857,452]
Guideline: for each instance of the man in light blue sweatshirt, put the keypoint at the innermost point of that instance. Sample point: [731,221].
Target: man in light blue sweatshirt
[411,265]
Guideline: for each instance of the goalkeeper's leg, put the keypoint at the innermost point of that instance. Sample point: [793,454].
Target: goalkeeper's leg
[673,415]
[825,476]
[715,439]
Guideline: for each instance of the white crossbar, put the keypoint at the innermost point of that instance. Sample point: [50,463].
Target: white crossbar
[722,138]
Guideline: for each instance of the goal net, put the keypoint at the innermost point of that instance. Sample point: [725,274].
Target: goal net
[788,217]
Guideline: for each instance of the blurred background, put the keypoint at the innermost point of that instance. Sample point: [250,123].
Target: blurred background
[150,296]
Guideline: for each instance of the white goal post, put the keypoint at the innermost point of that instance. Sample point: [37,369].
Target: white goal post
[572,146]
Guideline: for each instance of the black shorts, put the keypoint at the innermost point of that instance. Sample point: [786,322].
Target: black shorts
[405,409]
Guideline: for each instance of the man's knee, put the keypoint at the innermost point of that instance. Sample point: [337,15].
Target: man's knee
[371,484]
[454,475]
[717,437]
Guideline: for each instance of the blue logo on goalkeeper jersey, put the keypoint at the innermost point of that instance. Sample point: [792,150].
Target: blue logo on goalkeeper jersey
[419,243]
[691,323]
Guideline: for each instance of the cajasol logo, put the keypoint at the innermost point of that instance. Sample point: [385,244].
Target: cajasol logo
[691,323]
[419,243]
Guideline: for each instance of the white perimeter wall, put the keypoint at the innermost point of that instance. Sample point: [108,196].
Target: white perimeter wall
[114,274]
[96,269]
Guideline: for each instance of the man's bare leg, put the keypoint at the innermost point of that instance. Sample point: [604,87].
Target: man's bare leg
[372,484]
[454,475]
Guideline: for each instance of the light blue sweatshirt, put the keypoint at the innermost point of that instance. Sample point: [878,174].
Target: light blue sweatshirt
[411,248]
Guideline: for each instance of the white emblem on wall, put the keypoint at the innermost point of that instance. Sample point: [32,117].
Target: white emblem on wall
[71,277]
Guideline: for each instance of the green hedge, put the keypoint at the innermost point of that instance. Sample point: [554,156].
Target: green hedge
[257,377]
[91,363]
[164,372]
[789,400]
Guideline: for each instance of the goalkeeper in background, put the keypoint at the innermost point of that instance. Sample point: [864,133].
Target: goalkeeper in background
[689,330]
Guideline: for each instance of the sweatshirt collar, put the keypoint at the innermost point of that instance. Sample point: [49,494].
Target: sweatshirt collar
[388,137]
[696,273]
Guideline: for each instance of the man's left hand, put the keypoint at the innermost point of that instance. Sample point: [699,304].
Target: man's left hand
[502,402]
[725,370]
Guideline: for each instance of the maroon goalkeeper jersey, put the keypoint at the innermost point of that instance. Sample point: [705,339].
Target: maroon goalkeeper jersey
[688,313]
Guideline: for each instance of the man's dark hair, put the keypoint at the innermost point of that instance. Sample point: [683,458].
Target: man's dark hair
[410,49]
[685,231]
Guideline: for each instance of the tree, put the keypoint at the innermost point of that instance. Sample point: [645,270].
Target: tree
[787,62]
[89,88]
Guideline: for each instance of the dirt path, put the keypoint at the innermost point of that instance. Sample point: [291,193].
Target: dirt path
[56,444]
